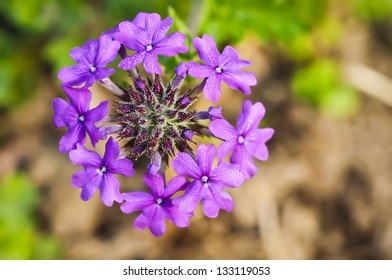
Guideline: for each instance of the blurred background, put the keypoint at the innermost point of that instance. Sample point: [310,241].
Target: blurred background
[324,72]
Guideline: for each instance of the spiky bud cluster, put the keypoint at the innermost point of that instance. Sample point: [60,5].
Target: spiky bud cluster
[155,119]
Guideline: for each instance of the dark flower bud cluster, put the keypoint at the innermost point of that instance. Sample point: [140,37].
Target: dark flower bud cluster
[154,118]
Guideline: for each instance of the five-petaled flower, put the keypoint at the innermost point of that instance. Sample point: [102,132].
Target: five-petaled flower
[208,183]
[99,172]
[149,41]
[157,206]
[218,67]
[91,60]
[247,140]
[78,118]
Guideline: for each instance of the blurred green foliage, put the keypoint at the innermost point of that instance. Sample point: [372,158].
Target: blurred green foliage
[36,35]
[19,236]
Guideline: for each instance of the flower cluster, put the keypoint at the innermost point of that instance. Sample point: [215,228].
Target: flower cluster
[155,119]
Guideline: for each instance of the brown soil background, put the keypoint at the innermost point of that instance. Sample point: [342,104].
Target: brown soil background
[325,192]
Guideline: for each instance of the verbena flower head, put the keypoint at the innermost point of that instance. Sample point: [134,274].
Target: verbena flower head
[208,182]
[247,140]
[78,118]
[99,172]
[155,119]
[219,67]
[157,205]
[148,41]
[91,60]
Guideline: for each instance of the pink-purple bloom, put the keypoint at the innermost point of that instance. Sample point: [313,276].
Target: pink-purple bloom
[219,67]
[146,36]
[245,141]
[91,60]
[208,182]
[157,205]
[78,118]
[99,172]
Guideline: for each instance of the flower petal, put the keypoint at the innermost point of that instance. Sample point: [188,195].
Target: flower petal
[155,183]
[89,185]
[227,174]
[225,148]
[223,130]
[175,184]
[242,81]
[79,98]
[256,143]
[98,113]
[75,135]
[131,61]
[178,218]
[207,50]
[185,165]
[171,45]
[205,157]
[187,203]
[123,167]
[214,200]
[198,70]
[83,157]
[136,201]
[107,51]
[110,190]
[247,165]
[250,117]
[161,29]
[112,151]
[73,75]
[151,64]
[94,133]
[131,36]
[64,113]
[212,87]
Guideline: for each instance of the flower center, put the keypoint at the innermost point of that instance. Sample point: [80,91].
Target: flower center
[92,68]
[159,201]
[241,140]
[149,47]
[81,118]
[218,69]
[204,179]
[102,170]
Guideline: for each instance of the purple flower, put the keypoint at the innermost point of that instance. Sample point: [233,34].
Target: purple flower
[78,118]
[218,67]
[149,41]
[207,185]
[91,60]
[245,141]
[157,206]
[99,172]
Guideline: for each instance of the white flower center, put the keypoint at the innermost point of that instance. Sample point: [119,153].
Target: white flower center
[102,170]
[158,201]
[204,179]
[149,47]
[81,118]
[241,140]
[218,69]
[92,68]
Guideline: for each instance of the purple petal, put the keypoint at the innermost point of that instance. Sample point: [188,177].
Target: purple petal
[136,201]
[230,52]
[240,80]
[205,157]
[94,133]
[227,175]
[171,45]
[98,113]
[250,117]
[112,151]
[108,49]
[187,203]
[155,183]
[178,218]
[198,70]
[64,114]
[110,190]
[140,20]
[75,135]
[131,61]
[181,70]
[185,165]
[123,167]
[152,23]
[247,165]
[73,75]
[257,142]
[79,98]
[151,64]
[207,50]
[215,199]
[152,217]
[175,184]
[131,36]
[83,157]
[161,29]
[101,73]
[225,148]
[212,87]
[89,185]
[77,53]
[223,130]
